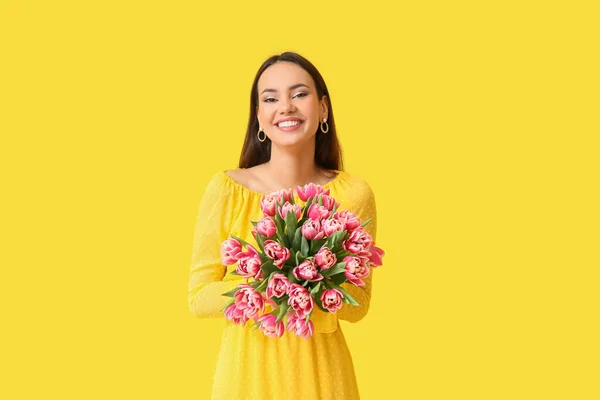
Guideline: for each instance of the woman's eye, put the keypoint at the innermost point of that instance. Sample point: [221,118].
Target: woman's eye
[272,100]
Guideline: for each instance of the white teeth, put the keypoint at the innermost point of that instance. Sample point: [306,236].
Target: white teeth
[288,123]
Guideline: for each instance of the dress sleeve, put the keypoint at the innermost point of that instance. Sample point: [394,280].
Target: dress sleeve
[366,208]
[205,287]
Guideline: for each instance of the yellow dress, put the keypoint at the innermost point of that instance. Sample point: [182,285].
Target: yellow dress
[252,365]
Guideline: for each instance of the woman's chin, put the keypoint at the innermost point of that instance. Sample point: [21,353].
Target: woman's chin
[290,140]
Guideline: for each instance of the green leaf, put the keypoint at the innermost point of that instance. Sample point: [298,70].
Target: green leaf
[297,241]
[283,308]
[334,241]
[268,268]
[263,257]
[291,277]
[234,272]
[308,204]
[254,223]
[304,246]
[336,269]
[319,303]
[341,254]
[291,223]
[366,222]
[315,245]
[255,284]
[316,288]
[278,223]
[338,279]
[331,240]
[282,239]
[260,239]
[299,258]
[264,283]
[231,292]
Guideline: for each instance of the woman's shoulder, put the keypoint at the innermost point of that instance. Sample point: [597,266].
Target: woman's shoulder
[358,184]
[239,175]
[234,182]
[217,184]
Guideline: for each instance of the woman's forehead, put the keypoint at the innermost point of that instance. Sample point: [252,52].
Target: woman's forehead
[281,75]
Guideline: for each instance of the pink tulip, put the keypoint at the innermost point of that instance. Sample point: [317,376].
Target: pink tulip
[329,202]
[332,300]
[269,327]
[307,271]
[300,327]
[349,219]
[268,204]
[310,190]
[375,256]
[358,241]
[249,263]
[276,252]
[278,286]
[236,315]
[316,211]
[311,229]
[266,227]
[297,210]
[292,319]
[259,276]
[332,225]
[249,301]
[356,270]
[230,249]
[300,300]
[325,259]
[284,194]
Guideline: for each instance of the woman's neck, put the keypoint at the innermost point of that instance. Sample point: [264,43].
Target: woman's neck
[288,170]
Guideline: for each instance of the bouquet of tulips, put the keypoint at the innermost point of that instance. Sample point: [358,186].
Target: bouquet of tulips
[305,252]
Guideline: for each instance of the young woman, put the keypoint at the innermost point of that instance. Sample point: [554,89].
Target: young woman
[290,141]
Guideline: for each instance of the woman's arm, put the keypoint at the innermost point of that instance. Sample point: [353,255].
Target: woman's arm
[205,285]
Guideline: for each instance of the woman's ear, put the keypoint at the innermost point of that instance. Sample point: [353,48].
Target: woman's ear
[324,108]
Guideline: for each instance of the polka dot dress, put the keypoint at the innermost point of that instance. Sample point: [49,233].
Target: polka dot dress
[252,365]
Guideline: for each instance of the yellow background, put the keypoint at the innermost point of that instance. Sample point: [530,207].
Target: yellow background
[476,124]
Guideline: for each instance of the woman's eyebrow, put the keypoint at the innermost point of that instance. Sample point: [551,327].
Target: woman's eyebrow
[297,85]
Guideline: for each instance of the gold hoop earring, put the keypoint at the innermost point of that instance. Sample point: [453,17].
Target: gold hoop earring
[258,135]
[326,124]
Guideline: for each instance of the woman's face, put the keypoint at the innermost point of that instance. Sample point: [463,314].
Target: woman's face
[286,92]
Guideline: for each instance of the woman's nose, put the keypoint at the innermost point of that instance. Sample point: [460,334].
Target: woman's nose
[286,106]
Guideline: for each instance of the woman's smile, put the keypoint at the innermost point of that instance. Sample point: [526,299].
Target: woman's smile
[289,126]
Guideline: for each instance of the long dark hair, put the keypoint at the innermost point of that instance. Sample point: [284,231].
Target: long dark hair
[328,152]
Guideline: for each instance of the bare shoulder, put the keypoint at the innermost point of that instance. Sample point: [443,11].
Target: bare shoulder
[246,177]
[238,175]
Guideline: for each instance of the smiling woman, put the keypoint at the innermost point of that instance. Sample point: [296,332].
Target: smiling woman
[290,141]
[288,87]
